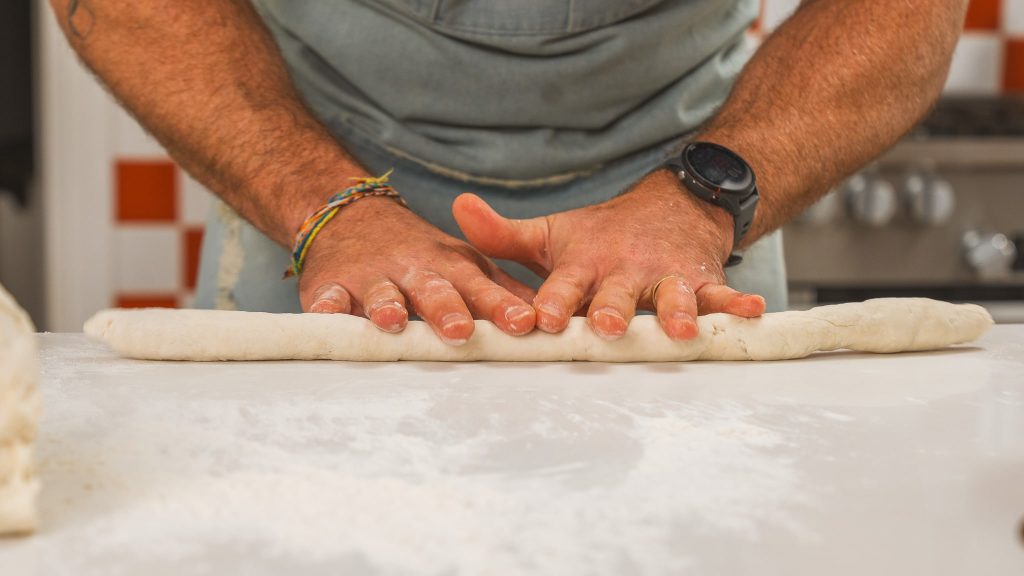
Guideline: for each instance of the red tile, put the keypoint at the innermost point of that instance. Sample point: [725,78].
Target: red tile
[192,245]
[756,26]
[983,15]
[1013,67]
[147,301]
[147,191]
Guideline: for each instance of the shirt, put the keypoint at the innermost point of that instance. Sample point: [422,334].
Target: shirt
[514,91]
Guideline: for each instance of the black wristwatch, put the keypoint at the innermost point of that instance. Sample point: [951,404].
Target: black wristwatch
[720,176]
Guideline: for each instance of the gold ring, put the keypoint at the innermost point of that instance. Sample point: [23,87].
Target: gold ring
[654,290]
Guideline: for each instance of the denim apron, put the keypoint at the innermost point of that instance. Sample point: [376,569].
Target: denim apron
[538,106]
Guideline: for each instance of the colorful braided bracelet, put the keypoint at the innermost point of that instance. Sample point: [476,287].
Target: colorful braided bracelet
[363,188]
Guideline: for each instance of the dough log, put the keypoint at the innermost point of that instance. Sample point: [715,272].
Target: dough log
[882,325]
[19,412]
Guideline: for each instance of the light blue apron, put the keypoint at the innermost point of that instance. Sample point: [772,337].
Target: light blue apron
[538,106]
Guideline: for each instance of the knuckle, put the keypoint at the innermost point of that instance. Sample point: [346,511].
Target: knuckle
[416,275]
[680,285]
[672,285]
[466,256]
[620,287]
[436,285]
[331,290]
[485,294]
[384,291]
[478,283]
[431,289]
[571,281]
[467,270]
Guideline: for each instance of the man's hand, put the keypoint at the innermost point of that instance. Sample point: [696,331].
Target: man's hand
[376,258]
[615,254]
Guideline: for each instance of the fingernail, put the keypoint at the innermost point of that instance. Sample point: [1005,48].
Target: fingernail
[389,316]
[452,320]
[328,299]
[613,316]
[517,314]
[610,313]
[552,318]
[322,306]
[685,326]
[448,323]
[551,310]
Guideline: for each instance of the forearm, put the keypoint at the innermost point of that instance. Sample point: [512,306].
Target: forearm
[205,77]
[833,87]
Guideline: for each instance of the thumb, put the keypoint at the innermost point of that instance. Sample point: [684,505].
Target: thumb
[713,298]
[523,241]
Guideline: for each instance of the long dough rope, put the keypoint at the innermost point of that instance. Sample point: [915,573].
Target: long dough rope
[883,325]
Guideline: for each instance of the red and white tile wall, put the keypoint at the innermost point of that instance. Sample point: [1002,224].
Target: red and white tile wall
[159,215]
[989,59]
[159,230]
[159,211]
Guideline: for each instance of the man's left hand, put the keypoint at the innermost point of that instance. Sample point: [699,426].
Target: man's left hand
[656,247]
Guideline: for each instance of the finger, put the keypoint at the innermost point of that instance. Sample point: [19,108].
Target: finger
[521,291]
[613,307]
[561,295]
[676,305]
[384,304]
[441,306]
[486,299]
[331,298]
[524,241]
[721,298]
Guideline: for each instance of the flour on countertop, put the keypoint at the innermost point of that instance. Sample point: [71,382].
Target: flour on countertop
[394,476]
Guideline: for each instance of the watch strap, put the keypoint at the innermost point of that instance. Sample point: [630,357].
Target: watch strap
[741,225]
[742,217]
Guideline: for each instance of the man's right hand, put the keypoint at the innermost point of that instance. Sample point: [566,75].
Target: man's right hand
[377,259]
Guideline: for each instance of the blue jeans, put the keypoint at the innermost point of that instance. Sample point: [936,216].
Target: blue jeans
[241,268]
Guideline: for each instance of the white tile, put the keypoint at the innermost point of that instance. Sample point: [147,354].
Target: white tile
[195,201]
[186,299]
[776,12]
[752,41]
[1013,17]
[147,259]
[977,65]
[130,140]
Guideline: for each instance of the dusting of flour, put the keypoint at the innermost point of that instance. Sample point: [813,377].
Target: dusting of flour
[398,471]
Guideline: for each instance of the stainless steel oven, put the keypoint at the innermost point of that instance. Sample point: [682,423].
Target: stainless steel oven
[940,215]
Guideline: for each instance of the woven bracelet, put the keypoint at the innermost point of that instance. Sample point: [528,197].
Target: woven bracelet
[364,187]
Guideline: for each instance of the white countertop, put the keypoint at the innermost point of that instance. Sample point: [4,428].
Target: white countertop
[837,464]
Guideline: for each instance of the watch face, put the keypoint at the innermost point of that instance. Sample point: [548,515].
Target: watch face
[719,167]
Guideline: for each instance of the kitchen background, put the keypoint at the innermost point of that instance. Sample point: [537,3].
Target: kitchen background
[941,215]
